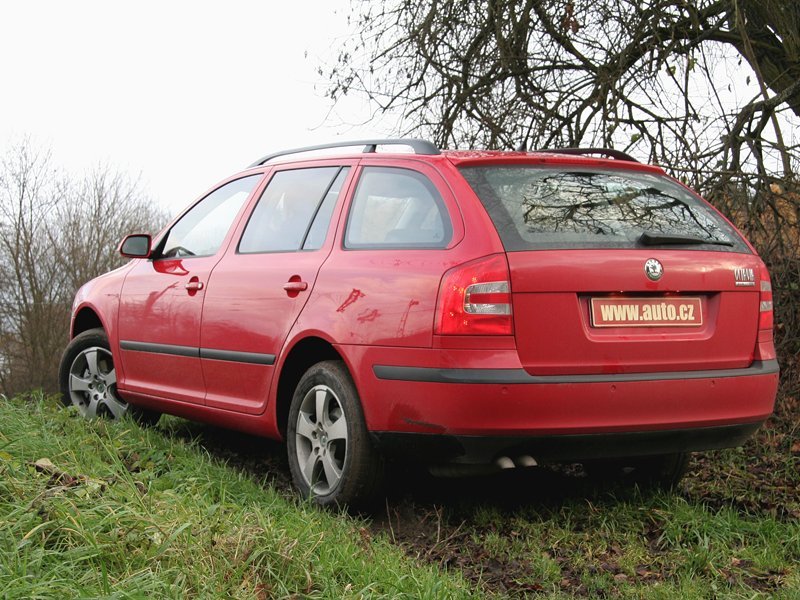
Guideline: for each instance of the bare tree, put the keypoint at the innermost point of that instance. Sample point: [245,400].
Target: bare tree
[643,76]
[29,196]
[104,207]
[56,233]
[710,89]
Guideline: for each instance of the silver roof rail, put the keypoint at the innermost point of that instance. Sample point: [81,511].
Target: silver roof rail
[370,146]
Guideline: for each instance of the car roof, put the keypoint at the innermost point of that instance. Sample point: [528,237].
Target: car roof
[588,157]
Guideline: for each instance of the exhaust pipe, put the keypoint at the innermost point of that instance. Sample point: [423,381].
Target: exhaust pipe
[505,463]
[526,460]
[466,470]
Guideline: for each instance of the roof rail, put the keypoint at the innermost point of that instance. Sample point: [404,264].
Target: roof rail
[370,146]
[608,152]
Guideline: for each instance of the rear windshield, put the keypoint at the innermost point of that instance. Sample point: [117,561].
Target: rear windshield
[542,208]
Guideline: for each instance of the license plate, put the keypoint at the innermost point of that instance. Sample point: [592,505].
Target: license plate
[647,312]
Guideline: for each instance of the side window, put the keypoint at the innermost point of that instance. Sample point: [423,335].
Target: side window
[396,208]
[200,231]
[294,211]
[319,228]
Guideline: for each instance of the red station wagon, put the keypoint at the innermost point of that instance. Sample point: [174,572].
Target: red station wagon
[466,309]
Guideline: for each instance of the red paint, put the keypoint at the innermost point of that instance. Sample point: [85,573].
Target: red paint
[406,307]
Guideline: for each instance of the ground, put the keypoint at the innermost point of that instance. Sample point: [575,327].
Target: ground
[730,529]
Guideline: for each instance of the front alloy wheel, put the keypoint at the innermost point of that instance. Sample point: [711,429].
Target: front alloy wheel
[88,378]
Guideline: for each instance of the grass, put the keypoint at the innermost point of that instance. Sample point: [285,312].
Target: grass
[184,510]
[731,529]
[120,511]
[643,547]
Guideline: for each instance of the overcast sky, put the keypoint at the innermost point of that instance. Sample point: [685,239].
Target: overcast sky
[181,93]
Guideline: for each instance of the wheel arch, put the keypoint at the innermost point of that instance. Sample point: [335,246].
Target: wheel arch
[86,318]
[303,354]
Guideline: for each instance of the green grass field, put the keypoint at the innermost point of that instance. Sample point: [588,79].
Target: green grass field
[99,509]
[118,511]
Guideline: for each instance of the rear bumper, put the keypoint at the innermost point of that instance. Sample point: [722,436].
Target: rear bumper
[489,406]
[432,448]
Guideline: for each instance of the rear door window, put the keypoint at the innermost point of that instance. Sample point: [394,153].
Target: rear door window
[542,208]
[396,208]
[294,211]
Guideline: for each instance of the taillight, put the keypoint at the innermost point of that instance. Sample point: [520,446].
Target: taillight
[475,299]
[765,344]
[765,306]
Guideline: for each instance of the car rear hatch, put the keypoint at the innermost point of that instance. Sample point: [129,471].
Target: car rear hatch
[617,271]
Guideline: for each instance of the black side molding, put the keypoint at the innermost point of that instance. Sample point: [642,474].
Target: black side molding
[510,376]
[160,348]
[234,356]
[207,353]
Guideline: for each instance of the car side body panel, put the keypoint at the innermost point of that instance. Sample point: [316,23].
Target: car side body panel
[251,305]
[160,316]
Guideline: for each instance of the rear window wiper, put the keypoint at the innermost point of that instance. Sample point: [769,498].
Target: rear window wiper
[657,239]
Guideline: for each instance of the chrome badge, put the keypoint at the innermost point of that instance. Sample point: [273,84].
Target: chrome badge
[653,269]
[744,277]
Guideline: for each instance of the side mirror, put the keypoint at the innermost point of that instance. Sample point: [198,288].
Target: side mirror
[136,246]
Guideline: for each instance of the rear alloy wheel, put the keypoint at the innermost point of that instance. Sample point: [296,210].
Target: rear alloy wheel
[330,454]
[662,471]
[88,380]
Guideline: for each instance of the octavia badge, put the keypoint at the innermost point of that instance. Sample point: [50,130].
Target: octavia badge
[653,269]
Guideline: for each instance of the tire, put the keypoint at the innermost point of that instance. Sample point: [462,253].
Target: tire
[331,457]
[662,471]
[87,379]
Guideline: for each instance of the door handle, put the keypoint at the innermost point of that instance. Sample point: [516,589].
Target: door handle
[194,286]
[295,286]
